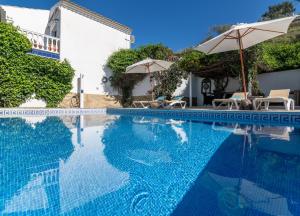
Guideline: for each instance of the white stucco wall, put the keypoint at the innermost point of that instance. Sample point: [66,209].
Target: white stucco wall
[289,79]
[276,80]
[183,89]
[30,19]
[142,88]
[87,44]
[279,80]
[233,85]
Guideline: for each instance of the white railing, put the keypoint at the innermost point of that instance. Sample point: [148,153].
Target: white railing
[43,42]
[49,177]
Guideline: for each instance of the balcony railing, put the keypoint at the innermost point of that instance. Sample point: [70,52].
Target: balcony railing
[43,42]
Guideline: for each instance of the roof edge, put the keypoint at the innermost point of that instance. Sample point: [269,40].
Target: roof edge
[20,7]
[94,16]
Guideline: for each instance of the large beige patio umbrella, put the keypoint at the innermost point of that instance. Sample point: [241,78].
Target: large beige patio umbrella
[149,66]
[242,36]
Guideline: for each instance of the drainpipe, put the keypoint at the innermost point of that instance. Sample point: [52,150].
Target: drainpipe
[81,92]
[2,15]
[80,129]
[190,89]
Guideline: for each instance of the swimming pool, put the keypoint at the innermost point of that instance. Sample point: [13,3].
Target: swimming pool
[146,165]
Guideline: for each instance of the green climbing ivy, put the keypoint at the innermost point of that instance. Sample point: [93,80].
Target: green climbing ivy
[12,43]
[23,75]
[169,80]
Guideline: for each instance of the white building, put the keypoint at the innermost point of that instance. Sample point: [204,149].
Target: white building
[86,39]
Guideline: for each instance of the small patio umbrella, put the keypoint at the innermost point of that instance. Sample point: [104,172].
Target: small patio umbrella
[242,36]
[149,66]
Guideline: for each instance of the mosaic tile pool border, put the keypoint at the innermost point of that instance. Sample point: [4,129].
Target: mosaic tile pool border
[255,117]
[48,112]
[280,117]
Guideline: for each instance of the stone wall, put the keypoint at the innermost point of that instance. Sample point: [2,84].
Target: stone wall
[71,100]
[100,101]
[142,98]
[90,101]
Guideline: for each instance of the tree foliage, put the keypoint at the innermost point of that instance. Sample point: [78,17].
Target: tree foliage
[24,75]
[216,30]
[121,59]
[118,62]
[219,29]
[279,56]
[192,60]
[280,10]
[154,51]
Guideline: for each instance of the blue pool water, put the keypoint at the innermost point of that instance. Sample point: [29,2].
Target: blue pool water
[132,165]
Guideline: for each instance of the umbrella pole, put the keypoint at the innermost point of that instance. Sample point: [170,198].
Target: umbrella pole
[242,64]
[151,84]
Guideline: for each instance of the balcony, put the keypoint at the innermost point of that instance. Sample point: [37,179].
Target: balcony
[43,45]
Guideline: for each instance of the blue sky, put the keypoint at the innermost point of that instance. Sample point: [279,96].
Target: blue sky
[176,23]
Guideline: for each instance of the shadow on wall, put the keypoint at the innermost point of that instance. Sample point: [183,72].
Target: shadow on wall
[106,82]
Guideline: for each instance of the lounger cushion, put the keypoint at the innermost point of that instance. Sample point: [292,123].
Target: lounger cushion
[177,98]
[273,99]
[161,98]
[225,100]
[237,97]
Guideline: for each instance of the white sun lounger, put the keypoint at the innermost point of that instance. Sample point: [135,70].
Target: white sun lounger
[275,96]
[177,100]
[234,100]
[147,104]
[278,132]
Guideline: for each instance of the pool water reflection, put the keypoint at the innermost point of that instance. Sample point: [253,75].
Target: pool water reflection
[124,165]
